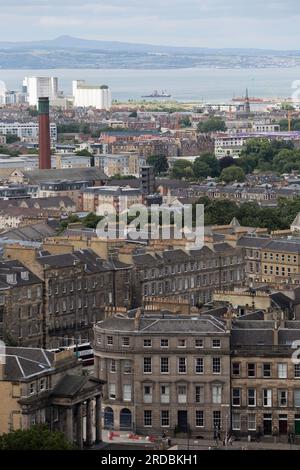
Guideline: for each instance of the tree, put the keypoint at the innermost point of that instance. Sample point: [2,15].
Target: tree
[92,220]
[185,122]
[213,124]
[133,114]
[84,153]
[182,169]
[159,163]
[36,438]
[12,138]
[232,173]
[226,161]
[206,165]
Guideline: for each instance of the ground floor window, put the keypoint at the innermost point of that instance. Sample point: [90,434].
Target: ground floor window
[251,422]
[199,419]
[236,421]
[217,419]
[164,418]
[147,418]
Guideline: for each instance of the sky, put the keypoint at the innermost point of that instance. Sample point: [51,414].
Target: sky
[272,24]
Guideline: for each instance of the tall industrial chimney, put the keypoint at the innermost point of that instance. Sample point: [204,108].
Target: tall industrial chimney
[44,135]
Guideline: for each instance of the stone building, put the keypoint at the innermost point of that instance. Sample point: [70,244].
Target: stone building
[21,305]
[265,382]
[43,387]
[193,274]
[76,288]
[164,372]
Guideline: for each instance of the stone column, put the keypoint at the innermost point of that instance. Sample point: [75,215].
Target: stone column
[98,419]
[79,426]
[89,423]
[69,424]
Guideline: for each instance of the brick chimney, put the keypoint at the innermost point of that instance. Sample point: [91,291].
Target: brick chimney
[44,135]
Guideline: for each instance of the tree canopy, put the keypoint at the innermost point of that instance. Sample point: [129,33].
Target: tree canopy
[36,438]
[232,173]
[213,124]
[159,163]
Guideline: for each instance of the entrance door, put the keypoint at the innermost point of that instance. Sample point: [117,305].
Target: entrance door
[125,419]
[182,421]
[267,424]
[283,424]
[108,418]
[297,425]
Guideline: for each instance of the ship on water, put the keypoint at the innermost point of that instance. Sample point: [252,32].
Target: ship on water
[157,94]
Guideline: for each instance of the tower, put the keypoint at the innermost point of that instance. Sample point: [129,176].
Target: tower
[247,103]
[44,135]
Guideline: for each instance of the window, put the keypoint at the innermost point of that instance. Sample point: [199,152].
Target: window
[182,396]
[42,385]
[267,370]
[147,393]
[297,371]
[109,340]
[112,391]
[297,397]
[236,368]
[199,365]
[199,419]
[147,343]
[267,397]
[236,421]
[236,397]
[127,392]
[32,388]
[125,341]
[147,418]
[182,365]
[165,394]
[113,367]
[164,365]
[164,343]
[251,397]
[216,343]
[217,419]
[127,367]
[251,422]
[147,365]
[216,365]
[251,370]
[199,343]
[217,394]
[181,343]
[282,371]
[282,397]
[199,394]
[164,418]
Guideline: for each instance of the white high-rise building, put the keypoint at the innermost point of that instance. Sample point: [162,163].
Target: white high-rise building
[40,87]
[98,96]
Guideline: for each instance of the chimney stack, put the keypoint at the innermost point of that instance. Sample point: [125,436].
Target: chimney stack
[44,135]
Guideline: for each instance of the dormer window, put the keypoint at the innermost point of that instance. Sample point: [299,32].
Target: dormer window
[25,275]
[11,278]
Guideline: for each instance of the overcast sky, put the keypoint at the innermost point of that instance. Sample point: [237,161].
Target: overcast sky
[208,23]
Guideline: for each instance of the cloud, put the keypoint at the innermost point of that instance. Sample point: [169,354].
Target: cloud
[215,23]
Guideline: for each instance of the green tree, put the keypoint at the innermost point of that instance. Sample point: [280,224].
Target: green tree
[213,124]
[206,165]
[84,153]
[92,220]
[12,138]
[182,169]
[159,163]
[185,122]
[232,173]
[36,438]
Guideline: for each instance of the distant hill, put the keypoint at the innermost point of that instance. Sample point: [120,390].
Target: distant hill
[71,52]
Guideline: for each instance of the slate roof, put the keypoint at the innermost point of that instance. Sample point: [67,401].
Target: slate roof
[65,174]
[168,323]
[16,267]
[22,363]
[35,232]
[71,385]
[253,242]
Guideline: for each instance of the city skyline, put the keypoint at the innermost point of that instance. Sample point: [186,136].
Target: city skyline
[209,23]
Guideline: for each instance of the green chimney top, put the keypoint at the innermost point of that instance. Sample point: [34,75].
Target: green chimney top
[43,105]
